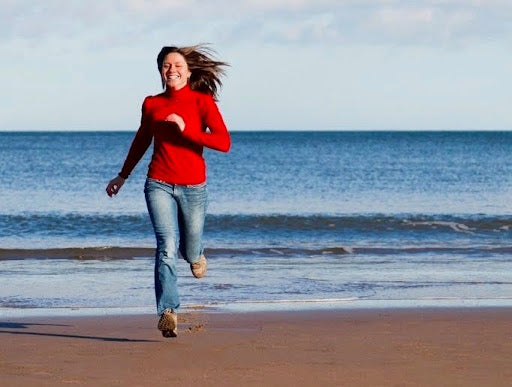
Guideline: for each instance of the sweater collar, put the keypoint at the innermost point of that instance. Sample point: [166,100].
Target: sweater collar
[178,93]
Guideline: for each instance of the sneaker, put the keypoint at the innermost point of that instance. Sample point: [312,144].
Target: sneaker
[199,268]
[168,323]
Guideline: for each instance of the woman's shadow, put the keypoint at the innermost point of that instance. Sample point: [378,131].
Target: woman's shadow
[25,325]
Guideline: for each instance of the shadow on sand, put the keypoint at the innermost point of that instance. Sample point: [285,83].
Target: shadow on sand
[24,325]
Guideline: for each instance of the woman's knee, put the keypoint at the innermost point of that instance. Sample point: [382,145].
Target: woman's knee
[166,252]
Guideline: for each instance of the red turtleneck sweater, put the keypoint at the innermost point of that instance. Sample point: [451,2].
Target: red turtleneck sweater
[178,156]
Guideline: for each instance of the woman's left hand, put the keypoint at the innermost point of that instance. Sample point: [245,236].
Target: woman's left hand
[177,120]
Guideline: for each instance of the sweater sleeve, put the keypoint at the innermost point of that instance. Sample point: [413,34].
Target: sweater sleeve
[140,144]
[218,137]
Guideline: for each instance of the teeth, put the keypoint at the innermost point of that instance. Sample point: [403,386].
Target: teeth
[173,77]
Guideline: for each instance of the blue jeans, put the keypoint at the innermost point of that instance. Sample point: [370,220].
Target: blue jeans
[177,213]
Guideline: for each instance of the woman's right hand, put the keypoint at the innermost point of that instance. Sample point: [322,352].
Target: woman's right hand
[114,185]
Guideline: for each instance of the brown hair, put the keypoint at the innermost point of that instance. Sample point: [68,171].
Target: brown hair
[206,71]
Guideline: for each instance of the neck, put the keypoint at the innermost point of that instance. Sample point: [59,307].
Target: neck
[174,89]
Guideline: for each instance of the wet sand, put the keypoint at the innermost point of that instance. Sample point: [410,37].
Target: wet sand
[403,347]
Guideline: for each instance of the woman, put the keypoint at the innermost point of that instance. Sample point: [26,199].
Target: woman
[175,189]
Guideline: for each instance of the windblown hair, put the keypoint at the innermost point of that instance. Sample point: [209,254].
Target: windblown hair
[206,71]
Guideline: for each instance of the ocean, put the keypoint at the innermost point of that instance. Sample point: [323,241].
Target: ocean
[296,220]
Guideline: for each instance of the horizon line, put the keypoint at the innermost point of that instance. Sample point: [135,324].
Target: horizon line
[255,130]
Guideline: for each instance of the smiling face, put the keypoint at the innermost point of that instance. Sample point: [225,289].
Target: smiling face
[175,72]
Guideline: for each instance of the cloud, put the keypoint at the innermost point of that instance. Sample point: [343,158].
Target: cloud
[425,25]
[281,21]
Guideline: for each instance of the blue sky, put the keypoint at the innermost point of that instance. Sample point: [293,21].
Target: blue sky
[295,64]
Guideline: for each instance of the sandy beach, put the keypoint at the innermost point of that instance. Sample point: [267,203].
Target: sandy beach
[396,347]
